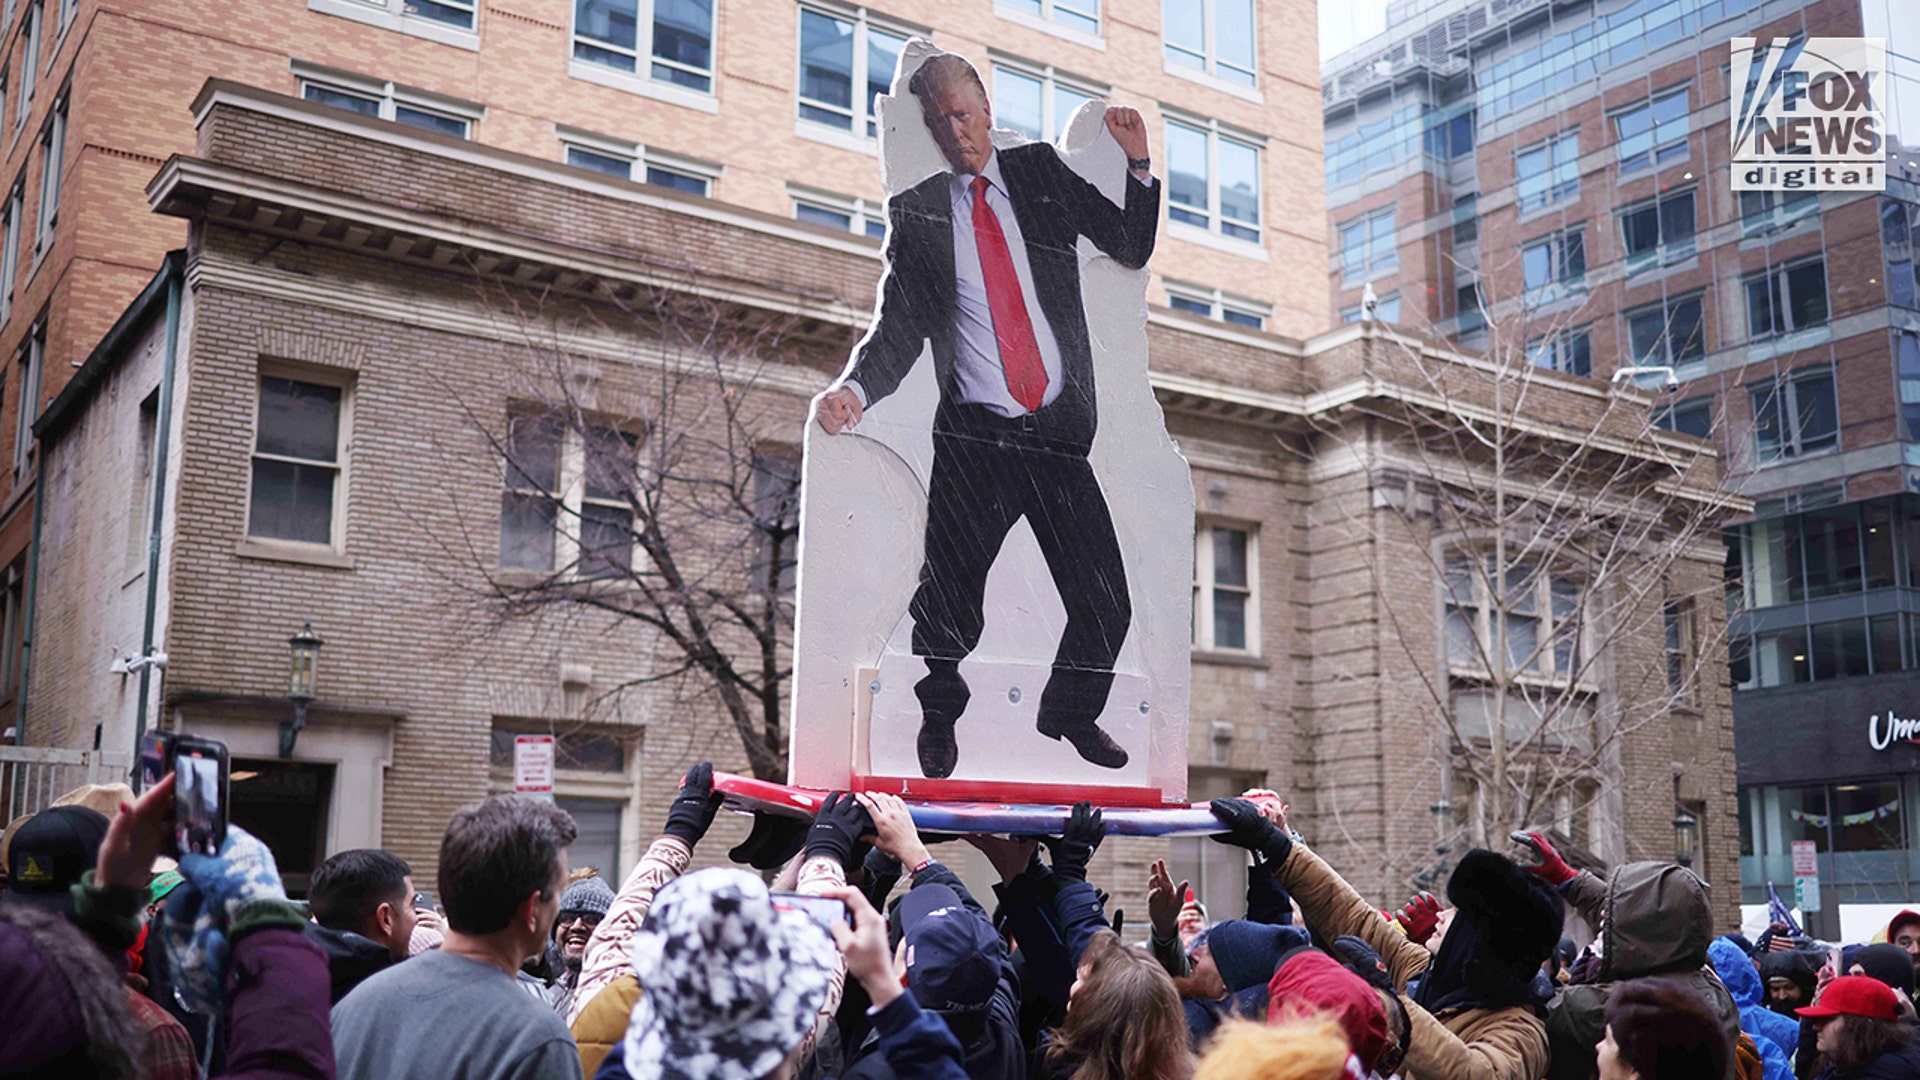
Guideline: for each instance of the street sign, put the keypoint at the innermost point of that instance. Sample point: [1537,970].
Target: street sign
[1806,875]
[533,766]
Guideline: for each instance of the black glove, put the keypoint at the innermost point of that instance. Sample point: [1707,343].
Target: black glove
[1078,842]
[1358,957]
[775,839]
[837,829]
[1248,828]
[692,811]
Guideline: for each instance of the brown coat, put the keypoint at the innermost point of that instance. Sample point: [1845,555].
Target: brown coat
[1455,1044]
[603,1023]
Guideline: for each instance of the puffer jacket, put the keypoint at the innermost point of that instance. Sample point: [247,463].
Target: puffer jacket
[1455,1044]
[1742,980]
[1654,919]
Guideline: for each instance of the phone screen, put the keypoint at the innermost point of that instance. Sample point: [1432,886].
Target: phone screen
[821,909]
[199,796]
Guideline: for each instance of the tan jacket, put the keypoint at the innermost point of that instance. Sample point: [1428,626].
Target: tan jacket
[1456,1044]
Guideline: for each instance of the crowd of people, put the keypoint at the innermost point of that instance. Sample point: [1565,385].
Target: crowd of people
[865,957]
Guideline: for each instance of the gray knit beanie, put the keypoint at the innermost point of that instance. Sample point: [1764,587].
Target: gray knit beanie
[590,896]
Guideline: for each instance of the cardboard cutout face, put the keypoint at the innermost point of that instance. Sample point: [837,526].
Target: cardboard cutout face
[996,539]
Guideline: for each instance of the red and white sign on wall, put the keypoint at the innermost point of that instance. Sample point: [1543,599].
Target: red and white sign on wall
[533,765]
[1806,859]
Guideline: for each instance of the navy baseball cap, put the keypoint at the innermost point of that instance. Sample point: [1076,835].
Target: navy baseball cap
[953,952]
[50,853]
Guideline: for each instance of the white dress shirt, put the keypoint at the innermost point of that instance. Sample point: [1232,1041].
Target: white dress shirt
[978,376]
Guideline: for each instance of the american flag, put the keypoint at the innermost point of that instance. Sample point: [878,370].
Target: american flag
[1779,912]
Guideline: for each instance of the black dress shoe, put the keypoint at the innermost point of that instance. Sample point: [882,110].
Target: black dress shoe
[938,751]
[1092,743]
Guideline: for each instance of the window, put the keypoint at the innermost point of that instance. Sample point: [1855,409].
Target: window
[12,585]
[1082,16]
[1795,415]
[1214,304]
[1467,307]
[140,502]
[1786,298]
[1658,231]
[1214,36]
[1676,617]
[1548,172]
[68,9]
[1037,103]
[623,160]
[1653,133]
[4,80]
[29,63]
[1570,351]
[776,517]
[1213,181]
[566,498]
[26,409]
[845,213]
[1226,610]
[673,37]
[1899,222]
[845,63]
[1542,631]
[1466,219]
[1692,417]
[1666,334]
[1767,211]
[10,258]
[387,101]
[597,822]
[296,462]
[1367,247]
[1449,137]
[53,154]
[1907,364]
[1557,259]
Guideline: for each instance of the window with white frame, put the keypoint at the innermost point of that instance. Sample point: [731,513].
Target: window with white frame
[53,154]
[1766,211]
[630,162]
[1037,101]
[1214,36]
[67,10]
[1795,415]
[1215,304]
[1213,180]
[1368,247]
[453,14]
[1786,298]
[299,432]
[673,39]
[1226,593]
[26,408]
[567,501]
[1570,351]
[866,217]
[846,61]
[1082,16]
[1676,617]
[1535,616]
[10,257]
[29,62]
[1547,172]
[1554,264]
[1653,132]
[1668,333]
[388,101]
[594,770]
[6,15]
[1659,230]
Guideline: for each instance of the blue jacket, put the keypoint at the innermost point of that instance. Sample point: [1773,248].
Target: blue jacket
[916,1042]
[1776,1036]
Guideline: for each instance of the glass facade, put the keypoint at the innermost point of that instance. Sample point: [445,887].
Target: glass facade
[1865,830]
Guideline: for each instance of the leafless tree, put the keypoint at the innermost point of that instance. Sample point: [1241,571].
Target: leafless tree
[651,475]
[1572,550]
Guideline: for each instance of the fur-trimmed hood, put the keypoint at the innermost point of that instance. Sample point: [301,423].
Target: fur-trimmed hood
[65,1001]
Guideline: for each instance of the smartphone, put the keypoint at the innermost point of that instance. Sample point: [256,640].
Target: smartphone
[423,901]
[821,909]
[156,753]
[200,770]
[1530,853]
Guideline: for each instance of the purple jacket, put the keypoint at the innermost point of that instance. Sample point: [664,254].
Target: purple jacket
[277,1004]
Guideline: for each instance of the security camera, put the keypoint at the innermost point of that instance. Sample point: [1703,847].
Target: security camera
[1668,381]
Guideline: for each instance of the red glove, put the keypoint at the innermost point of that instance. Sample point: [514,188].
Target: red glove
[1552,867]
[1419,917]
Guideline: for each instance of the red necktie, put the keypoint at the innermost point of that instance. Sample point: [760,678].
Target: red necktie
[1012,327]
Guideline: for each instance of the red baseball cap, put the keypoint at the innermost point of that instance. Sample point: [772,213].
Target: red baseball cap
[1855,995]
[1312,983]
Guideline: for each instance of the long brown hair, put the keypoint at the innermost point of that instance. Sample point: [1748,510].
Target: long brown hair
[1861,1039]
[1125,1023]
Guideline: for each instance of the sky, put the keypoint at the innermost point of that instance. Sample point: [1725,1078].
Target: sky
[1346,23]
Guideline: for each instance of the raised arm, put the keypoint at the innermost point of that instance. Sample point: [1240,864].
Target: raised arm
[1125,233]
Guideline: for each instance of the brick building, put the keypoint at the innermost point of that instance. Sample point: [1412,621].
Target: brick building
[1555,178]
[313,270]
[763,105]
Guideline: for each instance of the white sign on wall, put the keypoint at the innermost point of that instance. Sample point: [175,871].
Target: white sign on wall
[533,765]
[1806,875]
